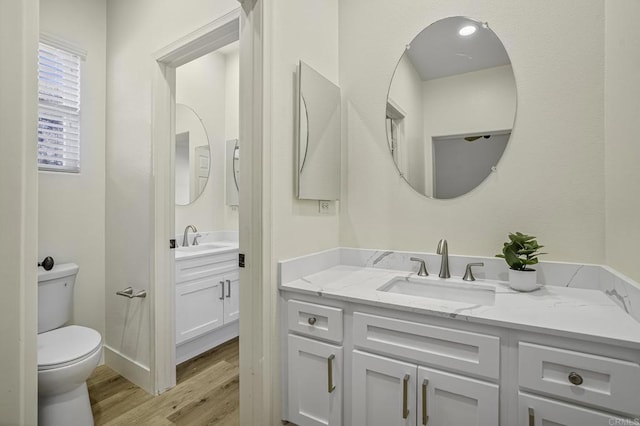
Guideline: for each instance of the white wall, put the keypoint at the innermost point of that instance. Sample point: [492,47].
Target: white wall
[135,30]
[551,180]
[71,207]
[622,109]
[18,212]
[296,30]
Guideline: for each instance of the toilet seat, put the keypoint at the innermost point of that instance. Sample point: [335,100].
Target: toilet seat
[66,345]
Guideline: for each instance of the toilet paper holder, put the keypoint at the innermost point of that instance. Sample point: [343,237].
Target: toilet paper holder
[128,292]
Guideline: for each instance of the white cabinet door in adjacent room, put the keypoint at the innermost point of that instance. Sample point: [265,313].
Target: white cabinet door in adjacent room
[537,411]
[199,307]
[231,297]
[450,399]
[315,382]
[383,391]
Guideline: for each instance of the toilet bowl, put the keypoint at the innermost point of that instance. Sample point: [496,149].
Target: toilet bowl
[66,358]
[67,355]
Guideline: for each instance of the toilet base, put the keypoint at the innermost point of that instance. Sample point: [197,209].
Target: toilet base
[69,408]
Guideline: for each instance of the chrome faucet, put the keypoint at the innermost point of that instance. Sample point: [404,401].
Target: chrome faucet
[443,249]
[185,238]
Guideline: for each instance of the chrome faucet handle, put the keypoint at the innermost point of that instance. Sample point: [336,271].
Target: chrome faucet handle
[468,273]
[423,268]
[443,249]
[195,240]
[185,237]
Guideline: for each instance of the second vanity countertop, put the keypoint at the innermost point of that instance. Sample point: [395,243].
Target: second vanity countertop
[565,312]
[205,249]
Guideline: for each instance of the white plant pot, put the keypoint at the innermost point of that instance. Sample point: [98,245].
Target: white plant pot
[523,280]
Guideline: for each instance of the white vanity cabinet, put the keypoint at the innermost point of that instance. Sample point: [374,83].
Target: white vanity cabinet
[389,392]
[207,302]
[315,367]
[392,367]
[419,392]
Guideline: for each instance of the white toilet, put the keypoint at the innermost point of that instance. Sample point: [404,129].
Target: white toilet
[67,355]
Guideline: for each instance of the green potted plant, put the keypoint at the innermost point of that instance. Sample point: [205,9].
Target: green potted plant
[520,252]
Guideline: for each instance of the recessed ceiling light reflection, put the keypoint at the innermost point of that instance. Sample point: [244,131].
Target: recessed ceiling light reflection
[467,31]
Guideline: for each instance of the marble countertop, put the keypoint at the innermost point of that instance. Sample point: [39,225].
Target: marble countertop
[205,249]
[567,312]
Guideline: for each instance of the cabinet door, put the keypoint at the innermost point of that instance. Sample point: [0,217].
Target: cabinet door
[383,391]
[536,411]
[231,297]
[449,399]
[199,307]
[315,382]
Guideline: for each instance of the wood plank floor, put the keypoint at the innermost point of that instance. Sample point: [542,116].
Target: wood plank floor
[206,394]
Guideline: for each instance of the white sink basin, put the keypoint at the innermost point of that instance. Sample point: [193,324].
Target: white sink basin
[200,247]
[442,289]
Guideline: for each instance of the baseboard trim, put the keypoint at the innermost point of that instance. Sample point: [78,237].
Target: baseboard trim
[133,371]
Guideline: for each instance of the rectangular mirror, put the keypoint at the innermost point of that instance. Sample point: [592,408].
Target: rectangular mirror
[318,136]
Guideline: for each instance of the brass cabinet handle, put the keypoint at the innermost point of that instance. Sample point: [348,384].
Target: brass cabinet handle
[575,378]
[425,414]
[222,290]
[312,320]
[330,386]
[532,417]
[405,403]
[228,289]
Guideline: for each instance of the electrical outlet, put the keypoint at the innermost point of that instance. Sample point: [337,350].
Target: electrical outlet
[324,207]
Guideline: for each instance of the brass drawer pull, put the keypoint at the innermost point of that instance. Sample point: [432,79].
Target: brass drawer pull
[330,386]
[425,414]
[405,390]
[532,417]
[312,320]
[575,378]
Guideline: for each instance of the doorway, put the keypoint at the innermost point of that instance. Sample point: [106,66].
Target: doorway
[195,53]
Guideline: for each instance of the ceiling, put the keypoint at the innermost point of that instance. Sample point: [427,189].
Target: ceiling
[439,51]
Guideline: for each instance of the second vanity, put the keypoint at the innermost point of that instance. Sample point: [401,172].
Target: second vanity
[207,295]
[357,352]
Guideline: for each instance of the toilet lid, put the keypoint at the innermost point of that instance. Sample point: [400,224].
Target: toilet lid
[65,345]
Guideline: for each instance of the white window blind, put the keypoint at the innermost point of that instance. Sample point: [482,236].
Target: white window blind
[59,109]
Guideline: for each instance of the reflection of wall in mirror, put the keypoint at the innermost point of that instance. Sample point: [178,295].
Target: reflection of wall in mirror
[470,103]
[182,168]
[475,102]
[319,143]
[406,94]
[466,104]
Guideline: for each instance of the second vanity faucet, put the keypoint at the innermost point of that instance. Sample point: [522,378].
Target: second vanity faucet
[443,250]
[185,238]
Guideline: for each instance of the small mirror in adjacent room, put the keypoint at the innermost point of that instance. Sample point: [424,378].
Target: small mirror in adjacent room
[232,172]
[318,159]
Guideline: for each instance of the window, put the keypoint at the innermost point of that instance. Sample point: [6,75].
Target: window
[58,108]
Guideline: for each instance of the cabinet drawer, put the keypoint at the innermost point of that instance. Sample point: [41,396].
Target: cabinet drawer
[463,351]
[189,269]
[605,382]
[533,410]
[319,321]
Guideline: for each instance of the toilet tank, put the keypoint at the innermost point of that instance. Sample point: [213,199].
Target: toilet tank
[55,296]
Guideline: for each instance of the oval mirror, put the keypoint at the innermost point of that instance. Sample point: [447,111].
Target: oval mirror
[451,107]
[192,161]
